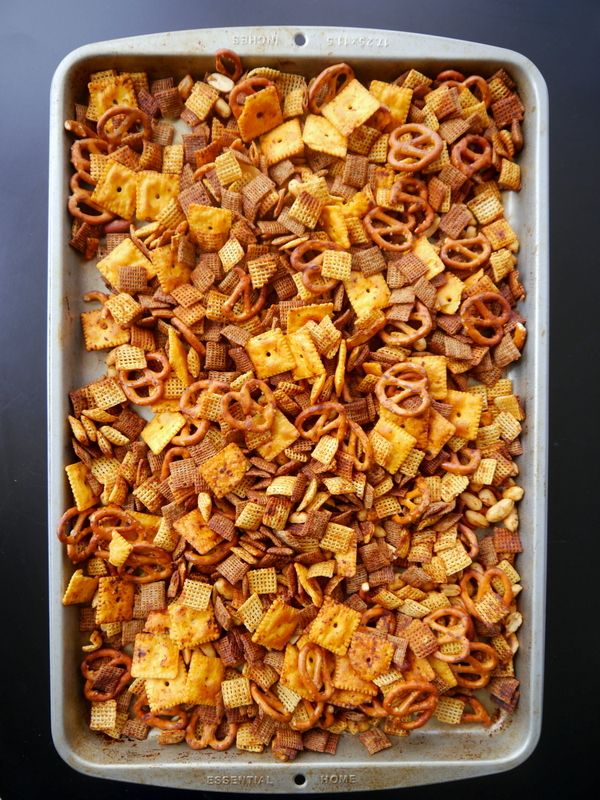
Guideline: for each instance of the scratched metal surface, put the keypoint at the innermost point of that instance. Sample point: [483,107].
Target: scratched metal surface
[435,754]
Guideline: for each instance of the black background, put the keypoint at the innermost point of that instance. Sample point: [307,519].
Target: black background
[563,39]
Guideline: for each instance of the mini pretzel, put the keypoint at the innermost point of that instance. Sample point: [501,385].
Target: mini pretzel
[104,521]
[83,148]
[456,467]
[206,562]
[480,668]
[408,381]
[189,336]
[146,564]
[405,334]
[479,319]
[378,613]
[484,585]
[170,455]
[330,417]
[116,659]
[189,402]
[227,62]
[244,288]
[478,711]
[242,90]
[327,84]
[269,703]
[315,675]
[479,83]
[469,538]
[312,268]
[448,634]
[358,441]
[374,709]
[168,719]
[82,198]
[153,380]
[471,154]
[188,437]
[122,130]
[466,254]
[314,715]
[415,502]
[250,407]
[387,233]
[412,191]
[416,697]
[411,155]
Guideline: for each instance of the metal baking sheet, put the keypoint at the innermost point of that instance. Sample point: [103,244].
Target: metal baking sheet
[431,755]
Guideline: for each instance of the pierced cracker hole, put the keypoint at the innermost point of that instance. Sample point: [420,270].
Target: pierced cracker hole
[300,40]
[299,780]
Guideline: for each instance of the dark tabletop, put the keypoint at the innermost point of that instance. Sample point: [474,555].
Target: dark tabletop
[563,39]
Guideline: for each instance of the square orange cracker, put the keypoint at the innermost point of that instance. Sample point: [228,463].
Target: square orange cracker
[351,107]
[209,226]
[321,135]
[334,223]
[190,627]
[308,363]
[225,470]
[334,626]
[106,92]
[396,98]
[367,293]
[154,190]
[261,113]
[370,655]
[441,430]
[114,601]
[277,626]
[167,692]
[154,656]
[204,678]
[124,254]
[116,191]
[283,434]
[81,589]
[101,332]
[194,530]
[270,353]
[347,678]
[284,141]
[160,430]
[466,413]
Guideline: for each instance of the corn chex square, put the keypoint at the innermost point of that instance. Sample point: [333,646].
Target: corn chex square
[236,692]
[337,538]
[336,264]
[251,612]
[263,581]
[196,594]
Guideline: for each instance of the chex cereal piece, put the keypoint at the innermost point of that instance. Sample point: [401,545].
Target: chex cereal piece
[236,692]
[263,581]
[374,740]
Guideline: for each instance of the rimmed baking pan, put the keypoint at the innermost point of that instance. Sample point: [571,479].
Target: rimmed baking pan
[434,754]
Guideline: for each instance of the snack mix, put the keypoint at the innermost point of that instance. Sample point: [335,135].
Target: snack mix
[295,489]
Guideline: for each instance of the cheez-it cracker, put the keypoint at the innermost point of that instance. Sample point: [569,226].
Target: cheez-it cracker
[294,503]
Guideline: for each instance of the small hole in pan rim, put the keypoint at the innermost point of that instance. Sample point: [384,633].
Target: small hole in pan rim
[300,780]
[300,39]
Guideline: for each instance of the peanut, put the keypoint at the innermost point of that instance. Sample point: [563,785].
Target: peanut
[500,510]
